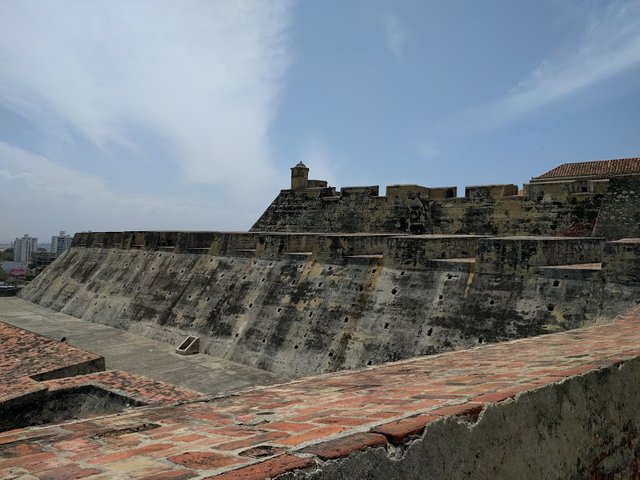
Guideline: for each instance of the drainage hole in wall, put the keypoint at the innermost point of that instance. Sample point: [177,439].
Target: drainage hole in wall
[369,362]
[346,319]
[271,264]
[320,284]
[279,309]
[310,314]
[295,347]
[449,276]
[208,298]
[374,270]
[237,335]
[222,275]
[264,340]
[394,291]
[331,354]
[360,288]
[402,273]
[440,297]
[556,283]
[491,302]
[189,297]
[330,268]
[386,325]
[261,281]
[550,307]
[429,332]
[251,305]
[480,339]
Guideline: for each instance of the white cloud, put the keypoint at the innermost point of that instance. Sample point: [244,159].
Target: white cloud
[427,150]
[195,80]
[610,46]
[33,186]
[395,34]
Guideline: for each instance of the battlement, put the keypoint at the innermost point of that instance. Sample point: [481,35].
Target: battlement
[548,205]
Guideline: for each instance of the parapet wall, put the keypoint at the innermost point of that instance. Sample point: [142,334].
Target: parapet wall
[491,209]
[298,304]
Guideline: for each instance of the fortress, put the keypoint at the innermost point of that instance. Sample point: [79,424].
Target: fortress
[413,335]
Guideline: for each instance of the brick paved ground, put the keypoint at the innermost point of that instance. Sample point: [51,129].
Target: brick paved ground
[24,353]
[31,364]
[270,430]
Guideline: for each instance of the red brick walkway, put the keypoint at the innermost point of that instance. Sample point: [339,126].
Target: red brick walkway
[266,431]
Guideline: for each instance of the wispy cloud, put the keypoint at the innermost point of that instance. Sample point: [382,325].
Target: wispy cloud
[45,197]
[610,46]
[395,34]
[187,87]
[427,150]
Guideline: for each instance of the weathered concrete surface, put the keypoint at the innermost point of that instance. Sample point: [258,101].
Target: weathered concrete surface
[337,306]
[134,353]
[561,406]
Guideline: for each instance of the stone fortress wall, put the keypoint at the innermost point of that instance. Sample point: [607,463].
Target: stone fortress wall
[298,304]
[563,206]
[407,275]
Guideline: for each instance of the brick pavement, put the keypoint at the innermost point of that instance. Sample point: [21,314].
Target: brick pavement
[266,431]
[32,365]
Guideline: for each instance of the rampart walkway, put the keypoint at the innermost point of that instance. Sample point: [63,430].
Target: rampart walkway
[314,426]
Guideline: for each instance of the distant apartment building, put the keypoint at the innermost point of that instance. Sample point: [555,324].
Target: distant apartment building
[23,248]
[60,242]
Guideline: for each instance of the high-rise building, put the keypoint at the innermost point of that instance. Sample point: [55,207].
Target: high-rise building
[60,242]
[23,248]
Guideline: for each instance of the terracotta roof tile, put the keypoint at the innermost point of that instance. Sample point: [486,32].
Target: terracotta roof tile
[598,169]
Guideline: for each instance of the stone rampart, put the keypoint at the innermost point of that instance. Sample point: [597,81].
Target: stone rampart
[413,209]
[521,254]
[297,304]
[620,213]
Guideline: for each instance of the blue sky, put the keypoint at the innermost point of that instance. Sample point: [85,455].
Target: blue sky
[187,115]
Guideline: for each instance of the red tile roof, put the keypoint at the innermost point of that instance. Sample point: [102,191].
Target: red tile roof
[598,169]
